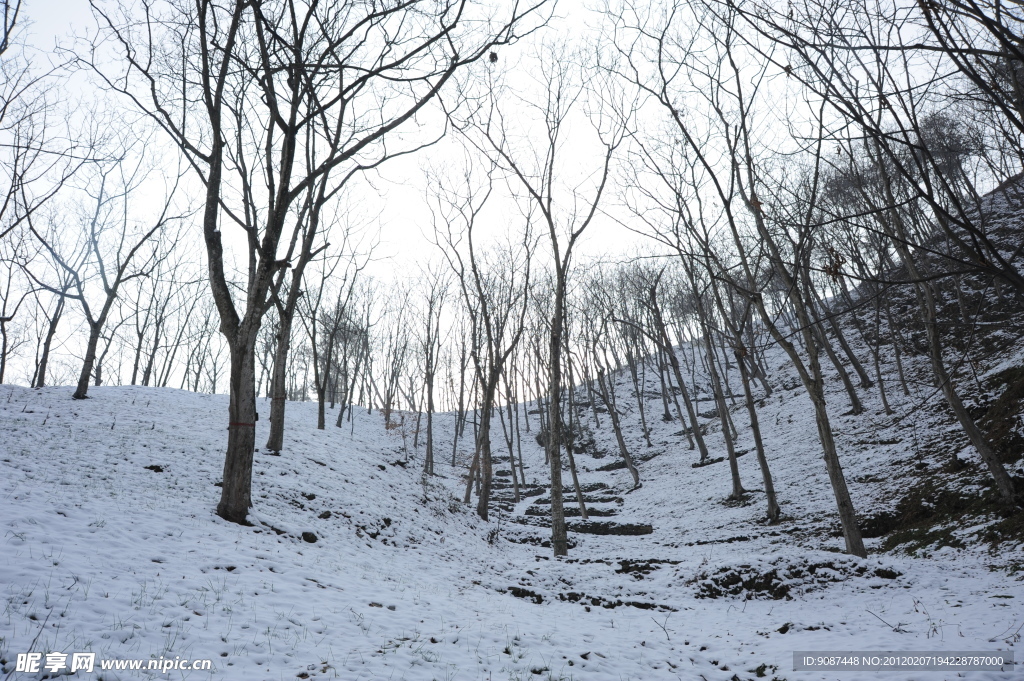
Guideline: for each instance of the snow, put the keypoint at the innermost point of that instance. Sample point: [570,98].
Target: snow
[110,544]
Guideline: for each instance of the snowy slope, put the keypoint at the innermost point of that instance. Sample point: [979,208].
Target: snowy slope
[110,545]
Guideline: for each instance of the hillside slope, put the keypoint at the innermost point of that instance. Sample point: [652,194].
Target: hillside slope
[357,567]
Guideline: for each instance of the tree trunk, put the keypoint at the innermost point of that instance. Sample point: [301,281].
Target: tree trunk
[929,313]
[82,391]
[50,332]
[236,493]
[666,415]
[810,375]
[855,405]
[147,373]
[321,403]
[674,363]
[138,358]
[897,340]
[472,474]
[774,512]
[876,352]
[679,412]
[3,349]
[559,537]
[723,409]
[508,432]
[428,459]
[278,384]
[483,442]
[837,331]
[609,403]
[1002,480]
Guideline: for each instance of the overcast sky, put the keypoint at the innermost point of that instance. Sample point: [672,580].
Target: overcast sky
[397,195]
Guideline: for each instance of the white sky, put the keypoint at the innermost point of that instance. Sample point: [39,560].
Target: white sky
[404,217]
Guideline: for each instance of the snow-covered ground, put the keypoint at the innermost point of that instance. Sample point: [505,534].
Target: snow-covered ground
[110,545]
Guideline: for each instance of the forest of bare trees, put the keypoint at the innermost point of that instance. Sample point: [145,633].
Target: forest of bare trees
[839,180]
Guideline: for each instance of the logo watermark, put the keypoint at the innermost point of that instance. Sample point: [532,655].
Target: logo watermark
[33,663]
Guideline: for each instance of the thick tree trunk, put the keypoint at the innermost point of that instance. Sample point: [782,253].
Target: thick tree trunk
[147,372]
[559,536]
[278,385]
[82,391]
[774,512]
[44,358]
[847,517]
[236,493]
[486,471]
[428,459]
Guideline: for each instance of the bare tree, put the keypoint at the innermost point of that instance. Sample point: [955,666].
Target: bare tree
[36,156]
[436,285]
[596,337]
[883,78]
[253,88]
[495,289]
[327,313]
[112,243]
[723,169]
[539,174]
[14,292]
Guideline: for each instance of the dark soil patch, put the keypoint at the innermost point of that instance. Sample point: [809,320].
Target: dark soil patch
[729,540]
[618,465]
[520,592]
[1002,418]
[533,540]
[778,580]
[607,499]
[928,515]
[878,525]
[574,597]
[641,568]
[570,512]
[621,529]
